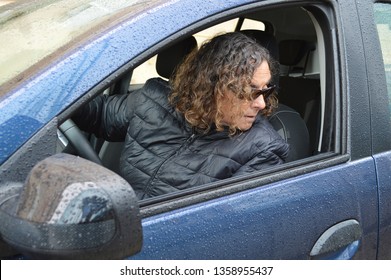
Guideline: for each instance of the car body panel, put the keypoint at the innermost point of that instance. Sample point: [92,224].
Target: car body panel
[379,86]
[244,226]
[378,67]
[383,169]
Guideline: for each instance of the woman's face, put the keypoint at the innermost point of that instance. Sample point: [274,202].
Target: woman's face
[243,116]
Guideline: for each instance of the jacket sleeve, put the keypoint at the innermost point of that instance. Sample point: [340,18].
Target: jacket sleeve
[275,154]
[106,116]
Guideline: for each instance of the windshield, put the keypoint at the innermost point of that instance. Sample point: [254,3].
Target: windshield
[32,30]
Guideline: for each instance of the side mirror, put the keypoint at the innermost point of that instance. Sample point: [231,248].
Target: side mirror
[71,208]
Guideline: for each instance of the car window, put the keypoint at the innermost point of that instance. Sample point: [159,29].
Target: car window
[383,23]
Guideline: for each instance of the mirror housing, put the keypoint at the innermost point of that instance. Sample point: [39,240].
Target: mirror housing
[72,208]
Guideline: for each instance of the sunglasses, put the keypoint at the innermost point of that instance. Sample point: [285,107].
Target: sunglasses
[266,92]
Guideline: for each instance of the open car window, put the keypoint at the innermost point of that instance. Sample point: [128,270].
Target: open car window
[305,84]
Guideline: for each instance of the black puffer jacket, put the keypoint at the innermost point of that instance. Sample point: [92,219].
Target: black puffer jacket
[162,153]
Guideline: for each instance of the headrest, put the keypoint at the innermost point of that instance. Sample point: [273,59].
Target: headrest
[293,51]
[266,40]
[170,58]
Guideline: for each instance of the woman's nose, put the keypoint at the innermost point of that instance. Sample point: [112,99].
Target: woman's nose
[259,103]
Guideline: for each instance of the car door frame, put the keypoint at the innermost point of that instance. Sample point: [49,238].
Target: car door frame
[380,120]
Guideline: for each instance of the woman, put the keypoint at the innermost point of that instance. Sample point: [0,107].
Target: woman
[209,123]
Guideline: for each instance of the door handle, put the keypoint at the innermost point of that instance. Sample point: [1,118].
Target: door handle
[341,241]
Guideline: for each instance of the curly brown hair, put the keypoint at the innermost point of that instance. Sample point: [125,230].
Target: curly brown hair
[225,63]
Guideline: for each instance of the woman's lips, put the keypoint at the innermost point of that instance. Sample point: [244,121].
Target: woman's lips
[250,117]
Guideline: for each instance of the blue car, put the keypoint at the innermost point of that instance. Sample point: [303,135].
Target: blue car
[330,200]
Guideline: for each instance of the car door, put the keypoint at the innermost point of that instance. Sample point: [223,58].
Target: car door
[380,88]
[325,207]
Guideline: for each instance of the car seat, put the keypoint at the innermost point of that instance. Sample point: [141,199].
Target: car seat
[168,59]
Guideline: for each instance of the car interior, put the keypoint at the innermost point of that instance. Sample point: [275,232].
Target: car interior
[295,38]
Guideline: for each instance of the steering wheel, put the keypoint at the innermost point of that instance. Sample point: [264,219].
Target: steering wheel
[76,137]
